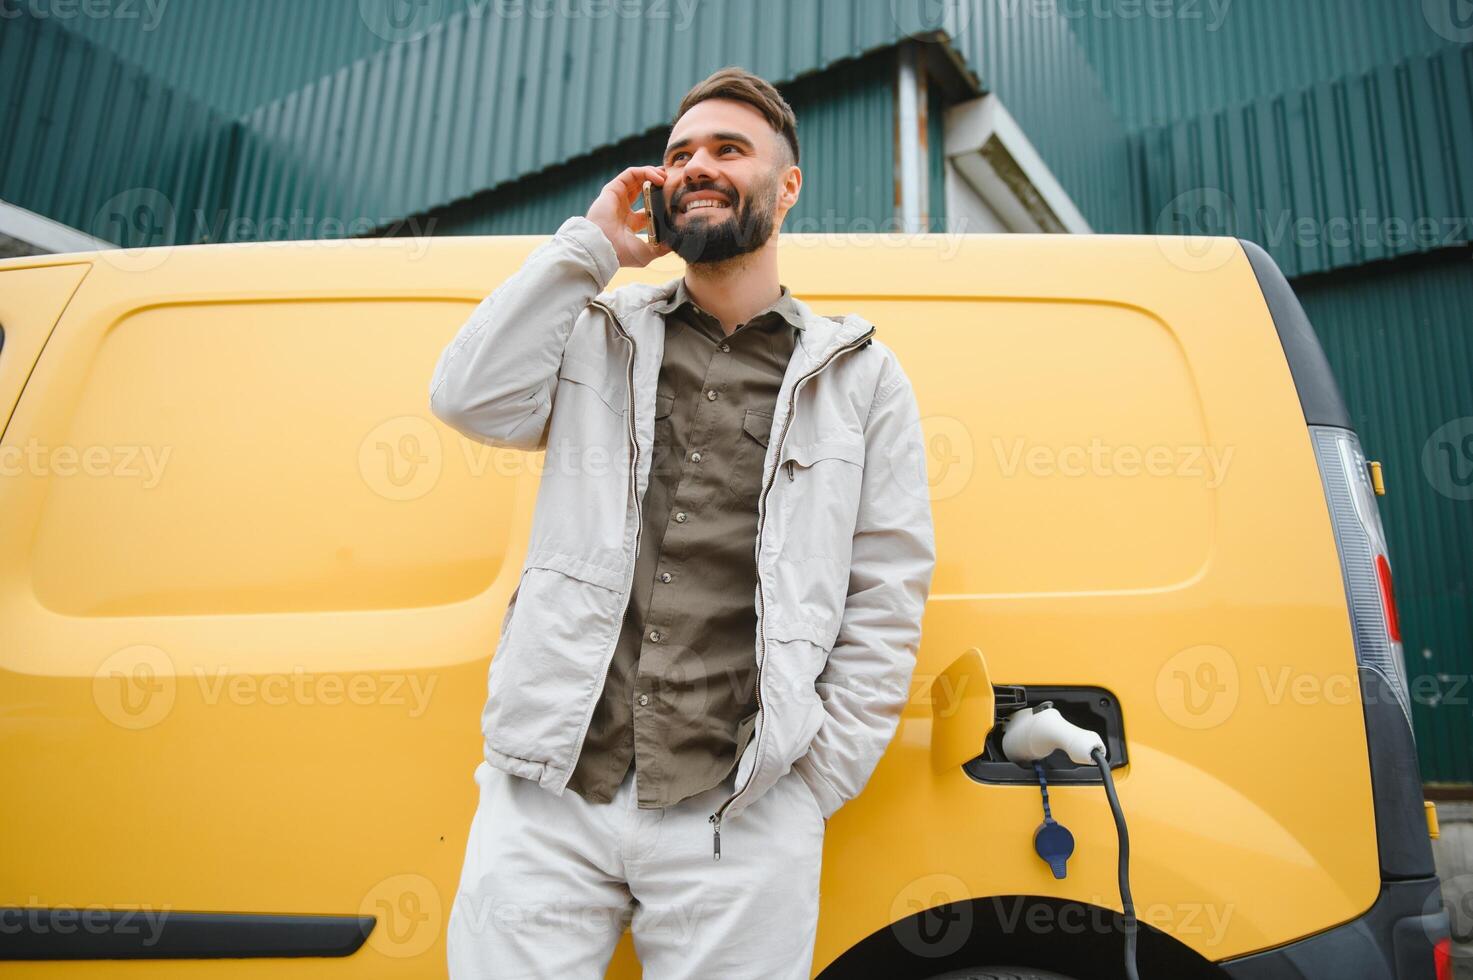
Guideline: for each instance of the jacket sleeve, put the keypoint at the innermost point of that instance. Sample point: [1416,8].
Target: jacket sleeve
[495,380]
[866,681]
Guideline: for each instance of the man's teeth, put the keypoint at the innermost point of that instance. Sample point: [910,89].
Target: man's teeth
[708,203]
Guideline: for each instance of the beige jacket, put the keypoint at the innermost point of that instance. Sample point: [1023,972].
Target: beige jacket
[845,547]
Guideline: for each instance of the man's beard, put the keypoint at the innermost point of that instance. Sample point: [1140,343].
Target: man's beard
[747,229]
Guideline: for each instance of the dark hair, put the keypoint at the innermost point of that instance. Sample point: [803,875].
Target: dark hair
[740,85]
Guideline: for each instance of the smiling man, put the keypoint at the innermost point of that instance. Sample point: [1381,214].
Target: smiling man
[715,627]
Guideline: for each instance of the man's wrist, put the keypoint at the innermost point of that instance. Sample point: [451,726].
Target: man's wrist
[591,238]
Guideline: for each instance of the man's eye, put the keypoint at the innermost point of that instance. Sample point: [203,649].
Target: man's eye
[729,146]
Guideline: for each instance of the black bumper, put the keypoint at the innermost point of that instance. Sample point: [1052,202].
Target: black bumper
[1392,941]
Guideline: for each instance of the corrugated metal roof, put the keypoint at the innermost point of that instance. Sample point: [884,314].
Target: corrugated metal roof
[99,145]
[1400,340]
[1365,168]
[1165,62]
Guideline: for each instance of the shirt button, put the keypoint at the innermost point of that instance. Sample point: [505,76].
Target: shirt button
[655,636]
[665,576]
[644,699]
[680,517]
[723,348]
[695,457]
[711,394]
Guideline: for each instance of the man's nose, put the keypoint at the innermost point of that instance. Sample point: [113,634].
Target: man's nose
[700,167]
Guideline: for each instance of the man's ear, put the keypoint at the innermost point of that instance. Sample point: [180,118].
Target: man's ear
[792,183]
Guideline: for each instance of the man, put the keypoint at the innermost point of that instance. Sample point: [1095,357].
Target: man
[716,624]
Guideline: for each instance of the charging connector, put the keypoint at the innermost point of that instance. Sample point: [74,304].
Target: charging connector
[1031,734]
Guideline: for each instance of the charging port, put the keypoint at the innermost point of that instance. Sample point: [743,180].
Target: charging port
[1093,708]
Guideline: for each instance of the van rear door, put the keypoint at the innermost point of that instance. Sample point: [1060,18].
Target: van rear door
[33,292]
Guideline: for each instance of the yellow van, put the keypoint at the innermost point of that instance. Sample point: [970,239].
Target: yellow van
[246,635]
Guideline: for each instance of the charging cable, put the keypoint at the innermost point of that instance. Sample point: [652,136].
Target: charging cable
[1033,733]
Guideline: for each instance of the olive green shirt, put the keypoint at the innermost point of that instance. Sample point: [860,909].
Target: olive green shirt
[678,702]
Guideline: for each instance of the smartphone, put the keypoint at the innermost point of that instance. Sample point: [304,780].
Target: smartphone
[654,203]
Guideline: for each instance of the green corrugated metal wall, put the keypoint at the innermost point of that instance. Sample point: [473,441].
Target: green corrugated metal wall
[1364,168]
[234,56]
[1191,58]
[843,191]
[1164,62]
[1400,339]
[485,100]
[482,100]
[101,146]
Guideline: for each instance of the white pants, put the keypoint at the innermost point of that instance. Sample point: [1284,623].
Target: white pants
[550,883]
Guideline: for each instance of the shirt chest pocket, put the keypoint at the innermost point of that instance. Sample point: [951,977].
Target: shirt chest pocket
[744,480]
[663,462]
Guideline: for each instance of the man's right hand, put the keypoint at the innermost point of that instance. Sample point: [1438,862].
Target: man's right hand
[611,212]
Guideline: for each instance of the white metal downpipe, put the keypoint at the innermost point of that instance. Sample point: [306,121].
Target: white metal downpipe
[910,168]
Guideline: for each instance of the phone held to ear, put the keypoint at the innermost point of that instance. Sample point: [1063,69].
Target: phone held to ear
[654,203]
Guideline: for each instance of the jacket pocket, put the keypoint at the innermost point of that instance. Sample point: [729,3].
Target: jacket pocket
[744,480]
[548,662]
[817,507]
[822,481]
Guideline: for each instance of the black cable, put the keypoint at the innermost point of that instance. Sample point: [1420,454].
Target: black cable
[1125,901]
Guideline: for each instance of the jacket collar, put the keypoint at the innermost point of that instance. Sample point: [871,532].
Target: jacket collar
[635,305]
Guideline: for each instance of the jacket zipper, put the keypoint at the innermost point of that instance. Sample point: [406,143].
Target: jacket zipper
[633,495]
[715,818]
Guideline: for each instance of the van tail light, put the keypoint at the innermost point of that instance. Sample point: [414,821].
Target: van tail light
[1442,957]
[1388,598]
[1363,559]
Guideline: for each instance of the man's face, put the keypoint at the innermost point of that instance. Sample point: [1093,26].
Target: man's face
[725,154]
